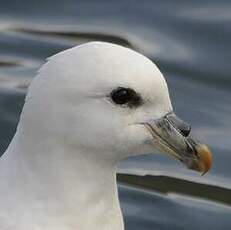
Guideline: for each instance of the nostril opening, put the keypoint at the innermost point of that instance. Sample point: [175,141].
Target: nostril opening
[186,130]
[183,127]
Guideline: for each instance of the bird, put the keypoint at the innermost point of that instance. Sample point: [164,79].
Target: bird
[88,108]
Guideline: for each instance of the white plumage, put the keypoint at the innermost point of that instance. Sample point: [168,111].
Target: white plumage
[59,172]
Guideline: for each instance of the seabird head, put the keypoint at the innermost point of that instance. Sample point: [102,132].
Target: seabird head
[110,101]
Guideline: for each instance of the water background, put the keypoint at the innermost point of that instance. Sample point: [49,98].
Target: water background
[191,43]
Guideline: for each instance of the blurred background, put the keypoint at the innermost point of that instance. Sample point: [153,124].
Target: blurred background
[191,43]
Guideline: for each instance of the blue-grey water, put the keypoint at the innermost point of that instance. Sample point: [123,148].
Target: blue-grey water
[191,43]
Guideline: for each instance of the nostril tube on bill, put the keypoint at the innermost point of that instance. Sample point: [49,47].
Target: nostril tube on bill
[185,130]
[183,127]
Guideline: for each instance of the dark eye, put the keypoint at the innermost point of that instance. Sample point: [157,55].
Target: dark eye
[126,96]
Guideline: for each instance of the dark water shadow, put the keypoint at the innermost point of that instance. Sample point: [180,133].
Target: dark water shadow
[4,63]
[86,36]
[166,184]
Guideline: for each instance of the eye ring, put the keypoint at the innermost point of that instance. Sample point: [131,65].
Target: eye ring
[125,96]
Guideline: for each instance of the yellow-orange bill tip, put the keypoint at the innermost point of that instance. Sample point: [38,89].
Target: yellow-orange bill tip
[205,158]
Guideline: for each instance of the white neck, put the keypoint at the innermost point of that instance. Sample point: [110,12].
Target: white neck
[57,190]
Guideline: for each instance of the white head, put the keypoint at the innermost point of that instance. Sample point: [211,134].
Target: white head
[97,97]
[88,108]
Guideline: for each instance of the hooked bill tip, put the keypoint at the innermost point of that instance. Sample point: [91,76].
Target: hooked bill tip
[205,158]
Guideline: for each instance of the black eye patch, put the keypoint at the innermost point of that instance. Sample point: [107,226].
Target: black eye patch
[126,96]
